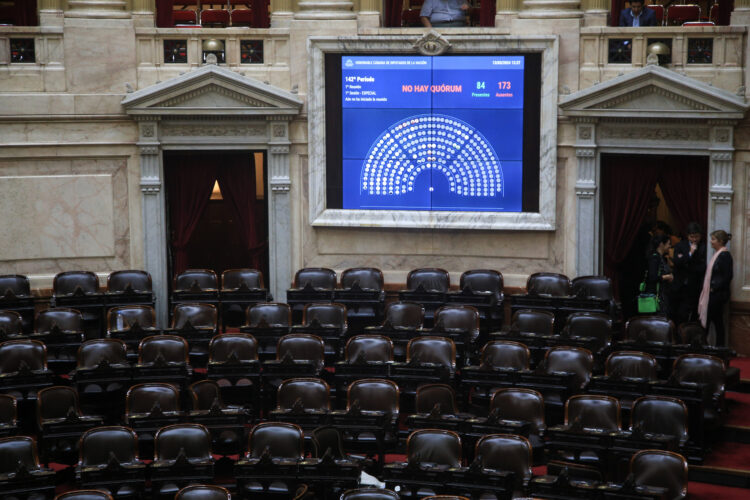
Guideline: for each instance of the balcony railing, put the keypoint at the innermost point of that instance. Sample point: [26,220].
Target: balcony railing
[33,57]
[712,54]
[167,52]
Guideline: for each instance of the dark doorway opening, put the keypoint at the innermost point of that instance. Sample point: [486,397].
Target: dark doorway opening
[217,210]
[637,192]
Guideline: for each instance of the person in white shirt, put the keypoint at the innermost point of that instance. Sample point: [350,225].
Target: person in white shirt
[444,13]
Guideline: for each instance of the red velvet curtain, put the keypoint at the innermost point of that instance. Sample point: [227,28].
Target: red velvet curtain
[487,13]
[237,184]
[628,184]
[189,188]
[725,12]
[393,10]
[261,19]
[684,184]
[164,18]
[616,7]
[24,13]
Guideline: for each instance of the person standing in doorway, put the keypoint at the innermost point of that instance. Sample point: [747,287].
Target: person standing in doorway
[689,260]
[658,274]
[715,293]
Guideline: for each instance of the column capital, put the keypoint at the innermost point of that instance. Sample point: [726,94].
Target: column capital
[280,186]
[723,196]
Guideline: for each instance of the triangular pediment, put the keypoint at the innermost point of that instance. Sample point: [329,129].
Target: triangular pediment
[653,91]
[212,90]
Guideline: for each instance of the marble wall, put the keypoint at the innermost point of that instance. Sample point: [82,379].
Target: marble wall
[78,221]
[62,214]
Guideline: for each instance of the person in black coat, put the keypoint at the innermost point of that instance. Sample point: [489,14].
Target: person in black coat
[689,261]
[658,273]
[715,293]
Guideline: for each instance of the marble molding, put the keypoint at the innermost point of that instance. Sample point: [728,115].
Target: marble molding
[319,215]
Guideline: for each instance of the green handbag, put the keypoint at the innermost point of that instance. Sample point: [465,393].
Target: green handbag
[648,303]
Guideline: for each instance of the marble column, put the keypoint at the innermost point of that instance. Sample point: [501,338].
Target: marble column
[154,215]
[720,172]
[587,200]
[50,12]
[368,14]
[741,13]
[4,50]
[144,6]
[551,9]
[319,10]
[98,9]
[741,17]
[506,11]
[282,12]
[720,187]
[279,209]
[595,12]
[144,12]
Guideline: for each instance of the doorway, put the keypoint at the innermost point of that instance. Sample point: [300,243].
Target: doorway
[217,211]
[639,193]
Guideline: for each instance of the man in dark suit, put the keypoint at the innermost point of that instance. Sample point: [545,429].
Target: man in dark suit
[689,268]
[637,15]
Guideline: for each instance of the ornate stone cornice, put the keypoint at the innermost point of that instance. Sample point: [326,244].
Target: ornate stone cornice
[432,43]
[212,89]
[725,123]
[585,152]
[653,89]
[278,149]
[692,134]
[280,118]
[214,130]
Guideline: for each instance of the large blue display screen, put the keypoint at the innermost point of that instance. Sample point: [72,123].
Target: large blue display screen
[432,133]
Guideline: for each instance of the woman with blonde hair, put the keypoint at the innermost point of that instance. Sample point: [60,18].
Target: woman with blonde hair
[715,293]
